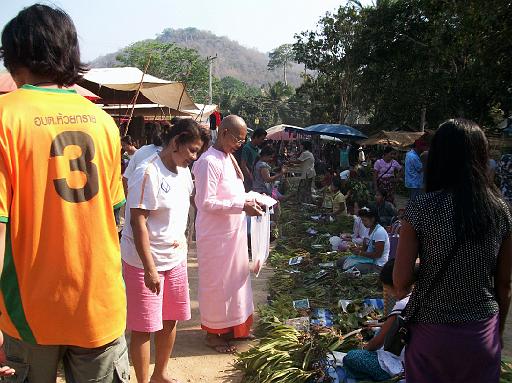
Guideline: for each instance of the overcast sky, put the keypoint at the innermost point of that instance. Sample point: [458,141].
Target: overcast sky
[104,26]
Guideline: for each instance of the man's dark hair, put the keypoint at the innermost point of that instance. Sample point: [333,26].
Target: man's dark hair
[383,193]
[156,135]
[336,182]
[307,145]
[386,274]
[127,140]
[43,40]
[175,120]
[388,149]
[267,151]
[260,132]
[369,212]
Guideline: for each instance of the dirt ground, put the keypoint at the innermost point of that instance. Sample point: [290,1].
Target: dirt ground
[192,361]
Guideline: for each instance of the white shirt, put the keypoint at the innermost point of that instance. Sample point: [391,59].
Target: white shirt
[345,174]
[166,195]
[389,362]
[380,235]
[141,155]
[361,156]
[307,164]
[360,231]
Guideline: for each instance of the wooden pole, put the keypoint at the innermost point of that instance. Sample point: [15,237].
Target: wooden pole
[200,116]
[136,96]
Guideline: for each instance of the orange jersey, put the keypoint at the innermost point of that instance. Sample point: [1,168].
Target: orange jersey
[60,178]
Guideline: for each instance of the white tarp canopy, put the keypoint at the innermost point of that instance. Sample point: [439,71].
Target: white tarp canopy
[169,93]
[202,112]
[280,128]
[126,78]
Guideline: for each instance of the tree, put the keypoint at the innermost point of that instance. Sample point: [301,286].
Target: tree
[229,90]
[258,111]
[282,56]
[435,60]
[410,63]
[279,91]
[170,62]
[329,51]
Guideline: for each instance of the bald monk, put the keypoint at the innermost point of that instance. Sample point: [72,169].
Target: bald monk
[225,294]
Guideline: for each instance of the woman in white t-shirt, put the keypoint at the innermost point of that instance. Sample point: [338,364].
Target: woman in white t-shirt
[154,248]
[306,161]
[373,363]
[374,253]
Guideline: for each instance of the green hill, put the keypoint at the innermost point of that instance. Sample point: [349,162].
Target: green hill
[246,64]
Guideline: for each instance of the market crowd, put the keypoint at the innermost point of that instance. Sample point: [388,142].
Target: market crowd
[68,297]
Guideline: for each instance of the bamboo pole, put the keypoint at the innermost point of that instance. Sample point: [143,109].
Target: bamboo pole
[136,96]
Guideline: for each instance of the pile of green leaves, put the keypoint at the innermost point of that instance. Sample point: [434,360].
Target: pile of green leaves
[289,355]
[285,354]
[506,371]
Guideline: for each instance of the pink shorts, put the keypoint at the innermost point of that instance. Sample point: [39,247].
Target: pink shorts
[146,310]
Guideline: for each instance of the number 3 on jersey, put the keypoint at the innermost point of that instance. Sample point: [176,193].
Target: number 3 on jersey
[83,164]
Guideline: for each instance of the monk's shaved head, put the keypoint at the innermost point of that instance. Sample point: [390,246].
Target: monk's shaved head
[234,124]
[232,133]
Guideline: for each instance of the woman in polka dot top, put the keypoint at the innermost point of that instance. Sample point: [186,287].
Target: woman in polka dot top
[461,232]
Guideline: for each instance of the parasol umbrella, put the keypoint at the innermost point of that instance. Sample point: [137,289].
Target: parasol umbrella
[283,132]
[282,136]
[335,130]
[7,85]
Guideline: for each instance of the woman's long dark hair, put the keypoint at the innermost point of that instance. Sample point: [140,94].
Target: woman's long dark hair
[458,162]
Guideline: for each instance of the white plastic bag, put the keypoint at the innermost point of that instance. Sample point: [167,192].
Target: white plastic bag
[260,240]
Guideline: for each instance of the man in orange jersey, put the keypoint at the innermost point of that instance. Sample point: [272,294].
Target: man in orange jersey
[61,291]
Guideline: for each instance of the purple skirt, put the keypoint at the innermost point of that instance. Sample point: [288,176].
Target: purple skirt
[469,352]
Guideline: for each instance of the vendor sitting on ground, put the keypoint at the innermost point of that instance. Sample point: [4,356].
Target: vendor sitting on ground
[373,363]
[387,212]
[334,200]
[359,232]
[374,252]
[327,179]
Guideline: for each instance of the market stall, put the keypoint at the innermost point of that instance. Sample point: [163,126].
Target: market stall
[398,139]
[127,85]
[160,112]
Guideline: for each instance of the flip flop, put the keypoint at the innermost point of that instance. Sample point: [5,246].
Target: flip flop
[223,348]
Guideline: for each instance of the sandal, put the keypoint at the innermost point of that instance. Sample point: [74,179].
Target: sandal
[221,346]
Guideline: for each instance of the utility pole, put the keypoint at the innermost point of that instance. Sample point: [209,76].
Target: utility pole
[210,87]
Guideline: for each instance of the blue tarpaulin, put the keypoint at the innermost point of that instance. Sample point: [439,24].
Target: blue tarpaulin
[335,130]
